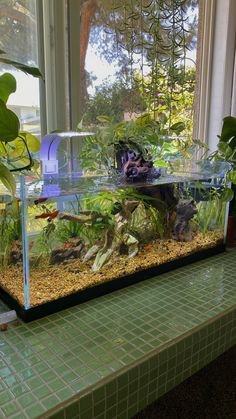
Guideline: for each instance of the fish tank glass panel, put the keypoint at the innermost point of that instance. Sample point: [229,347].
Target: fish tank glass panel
[65,239]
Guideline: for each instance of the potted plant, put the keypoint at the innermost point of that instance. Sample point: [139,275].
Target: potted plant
[226,151]
[16,146]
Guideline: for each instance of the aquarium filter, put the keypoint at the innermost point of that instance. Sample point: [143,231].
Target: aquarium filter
[55,160]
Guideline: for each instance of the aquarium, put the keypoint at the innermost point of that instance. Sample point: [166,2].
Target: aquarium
[66,239]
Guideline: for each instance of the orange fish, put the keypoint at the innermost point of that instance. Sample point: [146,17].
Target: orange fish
[66,246]
[147,248]
[43,215]
[53,215]
[49,215]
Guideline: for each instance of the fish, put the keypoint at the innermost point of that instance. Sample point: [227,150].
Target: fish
[43,215]
[53,215]
[40,200]
[66,246]
[147,248]
[49,215]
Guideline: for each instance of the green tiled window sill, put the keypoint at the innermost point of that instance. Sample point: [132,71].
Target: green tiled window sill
[112,356]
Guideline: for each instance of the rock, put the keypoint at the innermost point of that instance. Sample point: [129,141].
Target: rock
[3,327]
[65,254]
[16,254]
[185,211]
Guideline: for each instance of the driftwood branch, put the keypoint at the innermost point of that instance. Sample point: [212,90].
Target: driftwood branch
[84,217]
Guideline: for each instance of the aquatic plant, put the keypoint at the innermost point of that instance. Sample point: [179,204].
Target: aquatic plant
[10,232]
[211,212]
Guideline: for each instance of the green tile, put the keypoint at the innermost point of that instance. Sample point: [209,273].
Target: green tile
[65,394]
[122,380]
[122,406]
[132,411]
[99,394]
[72,410]
[64,354]
[85,403]
[50,401]
[35,410]
[111,400]
[48,376]
[10,409]
[122,393]
[11,380]
[59,415]
[41,367]
[43,392]
[56,385]
[4,372]
[26,399]
[5,396]
[100,407]
[34,383]
[87,414]
[111,413]
[19,389]
[70,377]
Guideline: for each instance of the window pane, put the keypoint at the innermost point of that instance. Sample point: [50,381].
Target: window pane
[18,38]
[140,57]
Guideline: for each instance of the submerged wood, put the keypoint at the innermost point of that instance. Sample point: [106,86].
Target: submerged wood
[83,217]
[185,211]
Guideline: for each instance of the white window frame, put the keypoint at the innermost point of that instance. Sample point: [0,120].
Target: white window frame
[222,88]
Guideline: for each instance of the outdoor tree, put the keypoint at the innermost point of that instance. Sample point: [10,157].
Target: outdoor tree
[112,100]
[18,30]
[136,35]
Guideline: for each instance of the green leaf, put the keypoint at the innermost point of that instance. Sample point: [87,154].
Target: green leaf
[227,195]
[32,71]
[32,142]
[7,178]
[222,146]
[228,129]
[231,176]
[160,163]
[80,125]
[2,52]
[104,118]
[178,127]
[9,124]
[7,86]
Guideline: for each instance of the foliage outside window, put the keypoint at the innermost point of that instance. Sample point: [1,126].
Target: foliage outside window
[147,47]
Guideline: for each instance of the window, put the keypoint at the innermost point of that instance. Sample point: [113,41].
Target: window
[138,57]
[18,38]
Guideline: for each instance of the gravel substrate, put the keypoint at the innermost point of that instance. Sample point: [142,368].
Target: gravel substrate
[50,282]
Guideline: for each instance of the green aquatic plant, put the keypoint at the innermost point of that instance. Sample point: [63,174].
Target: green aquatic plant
[66,230]
[211,212]
[115,221]
[10,230]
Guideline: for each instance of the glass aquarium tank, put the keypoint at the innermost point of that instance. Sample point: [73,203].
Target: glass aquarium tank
[68,238]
